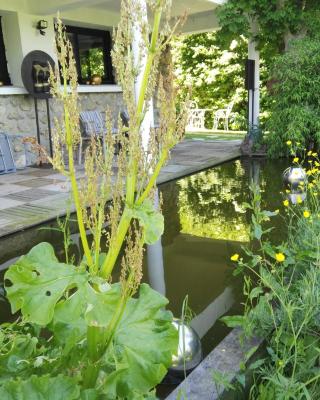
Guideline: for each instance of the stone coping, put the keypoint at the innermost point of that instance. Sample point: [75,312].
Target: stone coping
[225,358]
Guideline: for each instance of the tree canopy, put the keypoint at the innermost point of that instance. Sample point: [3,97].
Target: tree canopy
[278,21]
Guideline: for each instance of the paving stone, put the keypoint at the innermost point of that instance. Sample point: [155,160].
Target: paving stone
[4,221]
[37,172]
[13,178]
[8,203]
[25,211]
[39,182]
[30,195]
[54,202]
[62,187]
[9,188]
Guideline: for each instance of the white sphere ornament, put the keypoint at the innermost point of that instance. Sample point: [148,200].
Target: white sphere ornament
[297,198]
[295,177]
[189,352]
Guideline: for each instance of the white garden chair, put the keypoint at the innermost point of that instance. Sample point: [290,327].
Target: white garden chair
[196,117]
[223,114]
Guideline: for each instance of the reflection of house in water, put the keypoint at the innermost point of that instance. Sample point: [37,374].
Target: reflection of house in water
[201,269]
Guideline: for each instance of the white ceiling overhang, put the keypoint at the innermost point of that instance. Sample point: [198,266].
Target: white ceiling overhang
[178,6]
[201,13]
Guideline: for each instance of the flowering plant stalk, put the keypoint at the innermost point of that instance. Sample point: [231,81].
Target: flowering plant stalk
[106,340]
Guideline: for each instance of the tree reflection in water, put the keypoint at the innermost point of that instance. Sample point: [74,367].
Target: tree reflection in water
[211,203]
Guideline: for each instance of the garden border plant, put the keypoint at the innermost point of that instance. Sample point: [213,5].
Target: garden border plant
[282,285]
[79,334]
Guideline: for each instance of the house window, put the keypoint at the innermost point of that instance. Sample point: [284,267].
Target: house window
[92,51]
[4,75]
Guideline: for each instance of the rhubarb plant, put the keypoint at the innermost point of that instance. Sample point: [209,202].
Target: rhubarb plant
[80,335]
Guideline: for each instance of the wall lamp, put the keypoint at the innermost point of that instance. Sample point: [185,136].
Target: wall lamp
[42,25]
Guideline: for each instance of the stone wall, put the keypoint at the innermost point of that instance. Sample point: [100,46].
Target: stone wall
[17,114]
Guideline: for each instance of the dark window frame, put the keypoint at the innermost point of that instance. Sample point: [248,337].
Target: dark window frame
[4,73]
[107,44]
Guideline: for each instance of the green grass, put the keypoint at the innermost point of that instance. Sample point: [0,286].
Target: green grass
[216,135]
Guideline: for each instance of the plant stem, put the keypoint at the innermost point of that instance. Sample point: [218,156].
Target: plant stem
[132,177]
[116,320]
[91,372]
[125,220]
[75,192]
[72,174]
[153,178]
[116,244]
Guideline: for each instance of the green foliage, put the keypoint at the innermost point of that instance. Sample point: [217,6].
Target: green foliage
[295,108]
[142,342]
[151,220]
[143,345]
[215,76]
[37,281]
[42,388]
[278,21]
[91,63]
[282,289]
[274,25]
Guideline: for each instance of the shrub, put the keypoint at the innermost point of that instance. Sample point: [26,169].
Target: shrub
[295,111]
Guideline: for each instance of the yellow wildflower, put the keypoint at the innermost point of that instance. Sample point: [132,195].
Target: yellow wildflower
[296,159]
[309,153]
[299,199]
[235,257]
[286,203]
[310,185]
[280,363]
[306,213]
[309,172]
[314,154]
[280,257]
[289,143]
[317,164]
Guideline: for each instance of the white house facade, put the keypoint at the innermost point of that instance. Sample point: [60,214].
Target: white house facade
[28,25]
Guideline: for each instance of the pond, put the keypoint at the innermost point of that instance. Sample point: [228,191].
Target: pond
[205,223]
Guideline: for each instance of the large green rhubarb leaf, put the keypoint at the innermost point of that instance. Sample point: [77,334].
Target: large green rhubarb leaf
[142,347]
[37,281]
[40,388]
[143,342]
[84,307]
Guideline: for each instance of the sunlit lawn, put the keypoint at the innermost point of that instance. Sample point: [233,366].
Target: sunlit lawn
[216,135]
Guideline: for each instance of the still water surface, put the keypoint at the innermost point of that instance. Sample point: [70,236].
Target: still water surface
[205,223]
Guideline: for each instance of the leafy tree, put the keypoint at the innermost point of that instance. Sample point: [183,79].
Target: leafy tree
[278,21]
[295,110]
[215,76]
[275,25]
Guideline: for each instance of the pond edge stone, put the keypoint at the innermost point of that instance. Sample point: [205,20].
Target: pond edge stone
[225,358]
